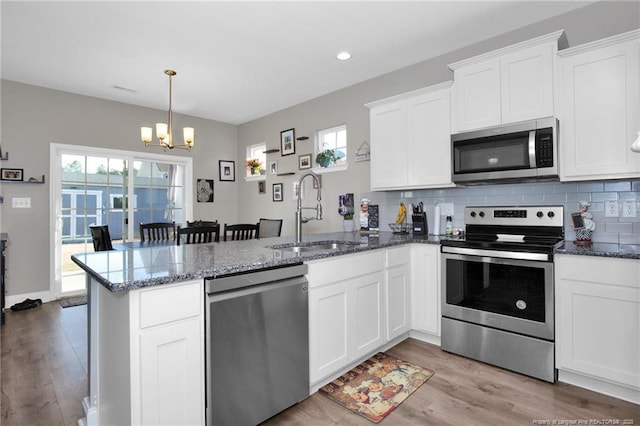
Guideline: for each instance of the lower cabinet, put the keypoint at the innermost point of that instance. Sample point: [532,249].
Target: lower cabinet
[425,291]
[346,314]
[398,291]
[598,324]
[147,368]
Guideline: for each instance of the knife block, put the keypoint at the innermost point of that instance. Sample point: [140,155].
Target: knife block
[420,226]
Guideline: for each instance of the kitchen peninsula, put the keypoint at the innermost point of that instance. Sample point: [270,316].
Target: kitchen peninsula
[146,321]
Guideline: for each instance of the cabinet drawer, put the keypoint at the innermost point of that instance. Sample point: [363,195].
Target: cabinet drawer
[397,256]
[166,304]
[611,271]
[327,271]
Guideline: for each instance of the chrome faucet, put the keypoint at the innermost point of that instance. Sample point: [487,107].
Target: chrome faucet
[318,208]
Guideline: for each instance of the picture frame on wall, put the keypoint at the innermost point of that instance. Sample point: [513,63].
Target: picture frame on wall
[287,142]
[262,187]
[277,192]
[273,167]
[16,175]
[204,190]
[304,161]
[227,170]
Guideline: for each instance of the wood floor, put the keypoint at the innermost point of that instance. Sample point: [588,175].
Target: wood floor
[44,378]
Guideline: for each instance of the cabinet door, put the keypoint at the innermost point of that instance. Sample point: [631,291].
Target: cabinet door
[425,288]
[366,332]
[389,139]
[476,101]
[171,360]
[398,301]
[598,324]
[600,98]
[527,84]
[429,150]
[328,321]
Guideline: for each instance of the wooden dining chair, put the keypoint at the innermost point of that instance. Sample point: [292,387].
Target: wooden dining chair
[240,231]
[157,231]
[269,228]
[199,234]
[101,237]
[203,223]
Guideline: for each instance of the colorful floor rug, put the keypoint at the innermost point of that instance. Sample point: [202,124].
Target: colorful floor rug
[376,387]
[73,301]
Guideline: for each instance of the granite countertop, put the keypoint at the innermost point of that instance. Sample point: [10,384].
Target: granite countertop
[624,251]
[135,267]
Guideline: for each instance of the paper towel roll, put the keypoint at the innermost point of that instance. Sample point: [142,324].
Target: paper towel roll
[436,220]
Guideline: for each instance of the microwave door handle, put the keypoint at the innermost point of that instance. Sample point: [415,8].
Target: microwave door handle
[532,149]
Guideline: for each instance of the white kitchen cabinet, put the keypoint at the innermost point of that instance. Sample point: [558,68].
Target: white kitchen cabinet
[425,291]
[508,85]
[410,140]
[147,367]
[598,324]
[398,291]
[600,109]
[346,311]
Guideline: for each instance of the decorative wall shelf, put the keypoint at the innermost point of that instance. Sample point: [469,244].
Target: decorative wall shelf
[286,174]
[271,151]
[30,180]
[302,138]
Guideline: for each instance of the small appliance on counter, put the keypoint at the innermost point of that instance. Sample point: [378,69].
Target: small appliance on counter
[419,219]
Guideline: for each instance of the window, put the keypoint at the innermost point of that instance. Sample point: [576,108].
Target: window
[333,140]
[256,152]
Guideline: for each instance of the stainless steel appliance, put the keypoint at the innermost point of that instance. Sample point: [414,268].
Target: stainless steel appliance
[521,151]
[498,289]
[257,345]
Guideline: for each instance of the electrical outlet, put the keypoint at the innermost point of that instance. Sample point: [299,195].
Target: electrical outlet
[611,208]
[629,208]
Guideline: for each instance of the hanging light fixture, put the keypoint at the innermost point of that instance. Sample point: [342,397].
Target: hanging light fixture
[164,131]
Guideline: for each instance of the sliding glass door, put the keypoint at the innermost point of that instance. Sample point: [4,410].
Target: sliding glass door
[104,187]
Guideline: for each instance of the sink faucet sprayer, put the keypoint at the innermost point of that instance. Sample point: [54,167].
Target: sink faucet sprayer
[318,208]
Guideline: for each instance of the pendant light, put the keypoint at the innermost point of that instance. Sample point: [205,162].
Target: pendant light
[164,131]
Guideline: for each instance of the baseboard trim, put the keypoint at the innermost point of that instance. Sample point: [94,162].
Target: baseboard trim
[600,386]
[11,300]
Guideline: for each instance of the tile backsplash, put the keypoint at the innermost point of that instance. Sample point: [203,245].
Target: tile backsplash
[622,230]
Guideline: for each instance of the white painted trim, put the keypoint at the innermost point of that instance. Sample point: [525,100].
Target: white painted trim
[45,296]
[598,44]
[607,388]
[411,94]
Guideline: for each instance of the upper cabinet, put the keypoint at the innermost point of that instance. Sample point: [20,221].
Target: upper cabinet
[410,140]
[505,86]
[600,109]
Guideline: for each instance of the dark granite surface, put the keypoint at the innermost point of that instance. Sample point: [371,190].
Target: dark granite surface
[624,251]
[133,266]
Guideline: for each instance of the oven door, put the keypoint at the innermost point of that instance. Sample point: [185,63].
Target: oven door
[506,294]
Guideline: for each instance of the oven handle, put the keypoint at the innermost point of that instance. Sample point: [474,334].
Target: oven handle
[497,253]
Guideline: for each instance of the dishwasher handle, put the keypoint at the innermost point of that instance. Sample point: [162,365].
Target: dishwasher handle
[253,278]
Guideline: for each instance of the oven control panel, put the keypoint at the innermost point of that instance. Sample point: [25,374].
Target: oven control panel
[515,215]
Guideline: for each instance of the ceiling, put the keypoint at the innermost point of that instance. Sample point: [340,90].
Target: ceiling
[237,60]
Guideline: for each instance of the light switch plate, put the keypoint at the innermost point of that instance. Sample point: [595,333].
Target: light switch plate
[21,203]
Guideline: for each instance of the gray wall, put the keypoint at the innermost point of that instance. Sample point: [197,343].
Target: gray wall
[33,117]
[589,23]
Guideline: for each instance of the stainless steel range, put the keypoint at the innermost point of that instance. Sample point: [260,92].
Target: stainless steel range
[498,290]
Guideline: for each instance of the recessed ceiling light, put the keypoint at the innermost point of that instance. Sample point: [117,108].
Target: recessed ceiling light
[343,56]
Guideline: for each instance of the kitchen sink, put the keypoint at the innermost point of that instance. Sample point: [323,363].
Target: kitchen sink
[311,246]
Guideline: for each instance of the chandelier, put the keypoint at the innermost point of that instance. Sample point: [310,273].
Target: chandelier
[164,131]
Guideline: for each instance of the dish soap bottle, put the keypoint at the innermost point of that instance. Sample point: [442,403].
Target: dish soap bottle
[449,227]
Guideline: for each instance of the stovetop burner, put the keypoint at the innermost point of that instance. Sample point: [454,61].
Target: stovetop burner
[537,229]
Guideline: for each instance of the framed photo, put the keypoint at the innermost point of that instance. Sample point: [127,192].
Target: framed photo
[204,191]
[287,142]
[12,174]
[273,167]
[277,192]
[304,161]
[262,187]
[227,170]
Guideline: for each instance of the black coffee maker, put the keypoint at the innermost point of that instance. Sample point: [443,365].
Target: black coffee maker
[419,219]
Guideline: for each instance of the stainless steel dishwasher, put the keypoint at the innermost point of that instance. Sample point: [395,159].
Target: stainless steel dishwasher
[257,343]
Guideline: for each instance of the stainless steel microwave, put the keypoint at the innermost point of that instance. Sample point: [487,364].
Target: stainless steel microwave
[516,152]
